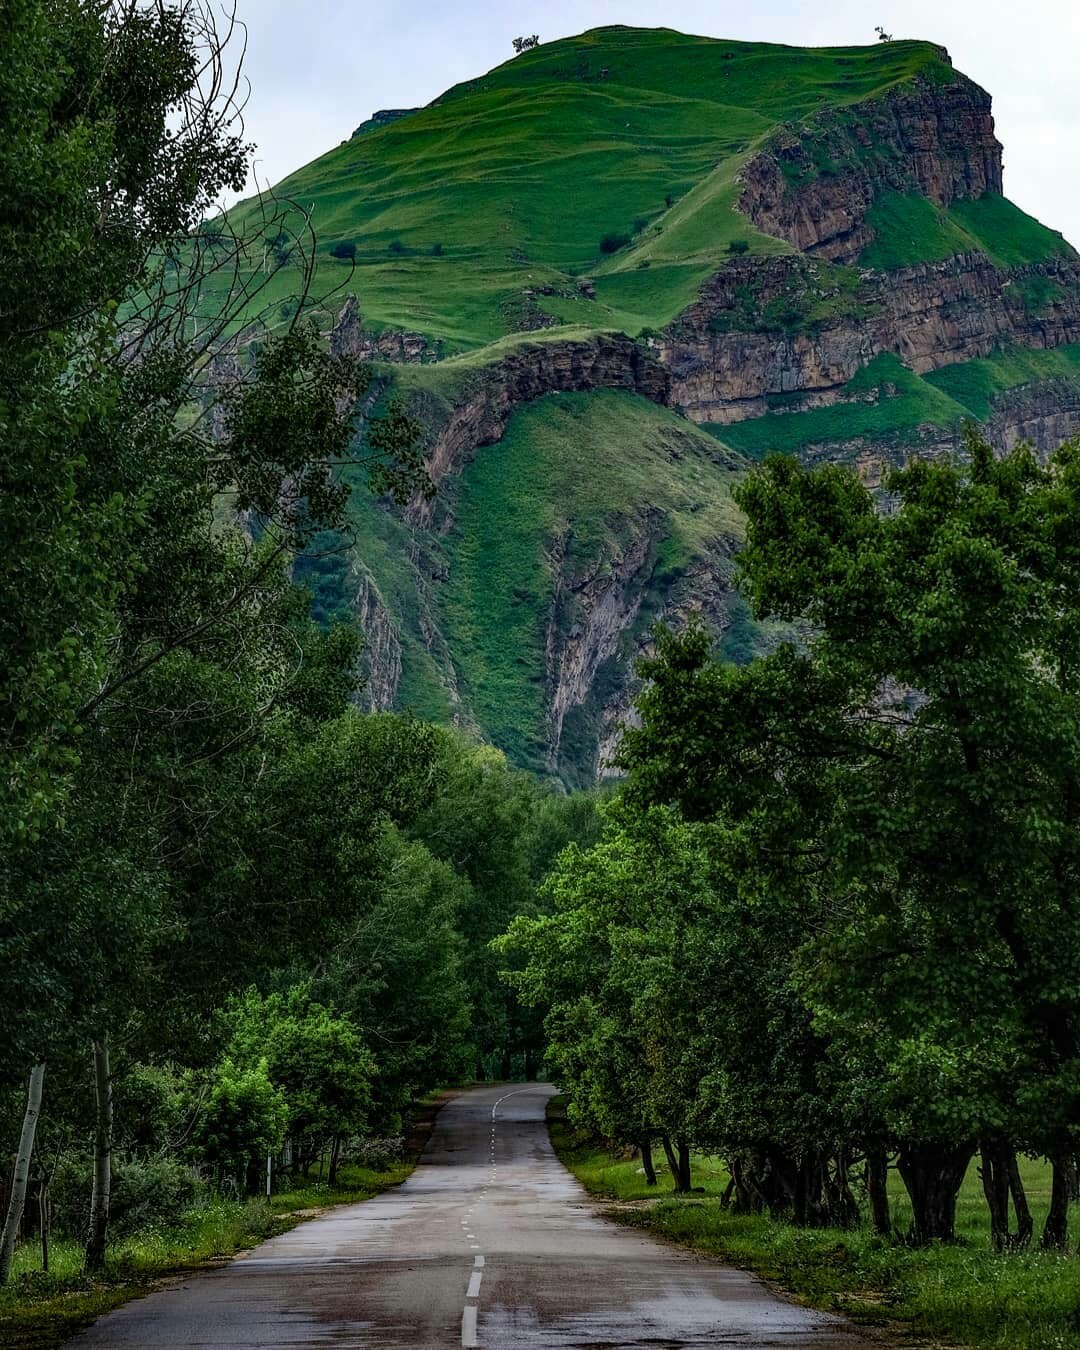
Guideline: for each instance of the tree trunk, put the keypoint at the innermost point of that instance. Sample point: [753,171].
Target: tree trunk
[877,1189]
[506,1064]
[994,1171]
[647,1162]
[530,1064]
[684,1165]
[673,1164]
[1056,1229]
[22,1171]
[98,1235]
[43,1222]
[335,1153]
[933,1174]
[1024,1223]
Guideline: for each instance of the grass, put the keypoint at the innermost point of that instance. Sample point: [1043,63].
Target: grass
[963,1294]
[902,402]
[587,476]
[520,173]
[41,1311]
[910,229]
[975,383]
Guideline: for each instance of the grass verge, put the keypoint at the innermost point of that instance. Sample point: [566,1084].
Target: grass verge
[962,1294]
[40,1311]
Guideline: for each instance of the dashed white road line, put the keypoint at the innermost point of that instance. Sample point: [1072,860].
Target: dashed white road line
[469,1337]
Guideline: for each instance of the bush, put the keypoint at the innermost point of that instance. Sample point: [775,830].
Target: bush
[738,246]
[244,1119]
[436,250]
[639,224]
[397,247]
[157,1191]
[345,251]
[612,242]
[377,1154]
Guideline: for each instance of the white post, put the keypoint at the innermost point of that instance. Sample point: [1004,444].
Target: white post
[269,1165]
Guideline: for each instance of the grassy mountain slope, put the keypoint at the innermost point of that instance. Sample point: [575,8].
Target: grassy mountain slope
[576,481]
[516,177]
[590,187]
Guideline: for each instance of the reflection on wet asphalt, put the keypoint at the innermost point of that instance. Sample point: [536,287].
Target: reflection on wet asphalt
[490,1243]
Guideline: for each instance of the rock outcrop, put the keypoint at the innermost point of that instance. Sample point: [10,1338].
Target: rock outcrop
[490,396]
[1043,414]
[814,183]
[727,358]
[381,655]
[349,337]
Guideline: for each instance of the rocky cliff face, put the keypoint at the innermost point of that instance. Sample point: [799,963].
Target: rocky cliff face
[490,397]
[381,655]
[814,183]
[727,359]
[349,337]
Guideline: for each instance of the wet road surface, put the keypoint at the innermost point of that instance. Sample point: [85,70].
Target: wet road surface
[490,1242]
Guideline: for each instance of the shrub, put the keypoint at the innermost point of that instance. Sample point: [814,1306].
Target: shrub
[436,250]
[397,247]
[244,1118]
[639,224]
[345,251]
[738,246]
[156,1191]
[612,242]
[378,1154]
[644,262]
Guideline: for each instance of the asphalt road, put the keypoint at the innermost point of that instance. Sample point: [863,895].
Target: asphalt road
[491,1242]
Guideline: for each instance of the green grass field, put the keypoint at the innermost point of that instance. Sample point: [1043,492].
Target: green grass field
[512,180]
[903,402]
[910,229]
[964,1294]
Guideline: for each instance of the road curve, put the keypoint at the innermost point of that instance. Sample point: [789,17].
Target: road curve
[490,1242]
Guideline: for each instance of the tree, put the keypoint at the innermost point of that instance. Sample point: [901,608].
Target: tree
[315,1059]
[148,641]
[882,35]
[244,1119]
[918,757]
[525,44]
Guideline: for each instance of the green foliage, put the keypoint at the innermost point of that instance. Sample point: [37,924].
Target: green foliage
[244,1119]
[344,252]
[833,909]
[975,383]
[910,229]
[613,241]
[314,1059]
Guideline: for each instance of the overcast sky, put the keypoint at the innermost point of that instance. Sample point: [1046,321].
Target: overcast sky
[319,68]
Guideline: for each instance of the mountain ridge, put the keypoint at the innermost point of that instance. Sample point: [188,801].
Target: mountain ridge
[565,264]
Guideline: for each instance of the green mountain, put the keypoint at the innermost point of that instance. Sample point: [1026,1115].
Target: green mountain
[606,275]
